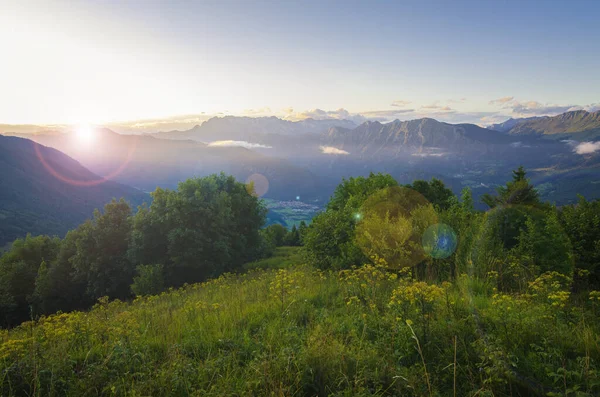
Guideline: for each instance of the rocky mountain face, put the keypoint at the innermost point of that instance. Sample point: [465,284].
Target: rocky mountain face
[580,124]
[423,136]
[261,130]
[507,125]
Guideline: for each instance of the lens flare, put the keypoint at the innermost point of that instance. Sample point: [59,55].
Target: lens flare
[439,241]
[257,185]
[392,223]
[64,177]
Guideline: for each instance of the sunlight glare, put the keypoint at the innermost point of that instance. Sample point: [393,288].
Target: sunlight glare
[85,134]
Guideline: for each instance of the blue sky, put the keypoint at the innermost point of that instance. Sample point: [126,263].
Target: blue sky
[103,61]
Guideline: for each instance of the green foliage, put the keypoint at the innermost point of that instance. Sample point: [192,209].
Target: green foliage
[101,257]
[581,223]
[275,234]
[435,192]
[509,322]
[352,192]
[18,272]
[149,280]
[392,225]
[519,191]
[329,240]
[292,238]
[207,226]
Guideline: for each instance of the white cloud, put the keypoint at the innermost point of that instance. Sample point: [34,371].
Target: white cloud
[258,112]
[533,108]
[501,101]
[332,150]
[245,144]
[320,114]
[400,103]
[587,147]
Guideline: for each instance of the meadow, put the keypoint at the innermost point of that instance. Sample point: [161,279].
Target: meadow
[301,331]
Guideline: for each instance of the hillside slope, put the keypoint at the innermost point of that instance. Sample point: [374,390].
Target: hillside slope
[32,200]
[300,331]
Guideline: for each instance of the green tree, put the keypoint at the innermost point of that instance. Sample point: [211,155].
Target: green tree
[329,241]
[352,192]
[206,227]
[101,256]
[581,223]
[18,272]
[463,219]
[57,288]
[518,191]
[276,234]
[292,238]
[302,231]
[392,225]
[435,192]
[149,280]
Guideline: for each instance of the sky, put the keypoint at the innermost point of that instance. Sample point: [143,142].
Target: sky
[156,65]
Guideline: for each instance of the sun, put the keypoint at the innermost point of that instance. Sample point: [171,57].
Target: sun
[85,134]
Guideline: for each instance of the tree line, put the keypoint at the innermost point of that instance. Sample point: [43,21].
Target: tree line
[212,225]
[424,228]
[206,227]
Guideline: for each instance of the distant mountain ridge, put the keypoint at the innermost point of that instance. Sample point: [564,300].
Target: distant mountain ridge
[578,124]
[373,137]
[252,129]
[146,162]
[32,200]
[507,125]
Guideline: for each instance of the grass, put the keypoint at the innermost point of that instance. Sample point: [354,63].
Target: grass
[282,257]
[298,331]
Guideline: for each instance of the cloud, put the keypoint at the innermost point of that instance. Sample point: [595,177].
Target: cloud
[593,107]
[501,101]
[436,106]
[400,103]
[461,100]
[258,112]
[587,147]
[532,108]
[181,122]
[245,144]
[428,154]
[538,109]
[385,113]
[320,114]
[332,150]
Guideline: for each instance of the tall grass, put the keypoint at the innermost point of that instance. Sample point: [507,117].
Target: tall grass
[299,331]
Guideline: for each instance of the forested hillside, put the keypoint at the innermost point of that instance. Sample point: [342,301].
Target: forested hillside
[46,192]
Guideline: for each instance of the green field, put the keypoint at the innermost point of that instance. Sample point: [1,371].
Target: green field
[299,331]
[289,213]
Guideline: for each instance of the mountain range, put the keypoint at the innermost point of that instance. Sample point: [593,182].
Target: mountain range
[577,125]
[299,160]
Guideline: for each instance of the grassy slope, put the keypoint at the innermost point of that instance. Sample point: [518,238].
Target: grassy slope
[298,331]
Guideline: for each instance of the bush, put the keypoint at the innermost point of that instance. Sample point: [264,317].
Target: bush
[149,281]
